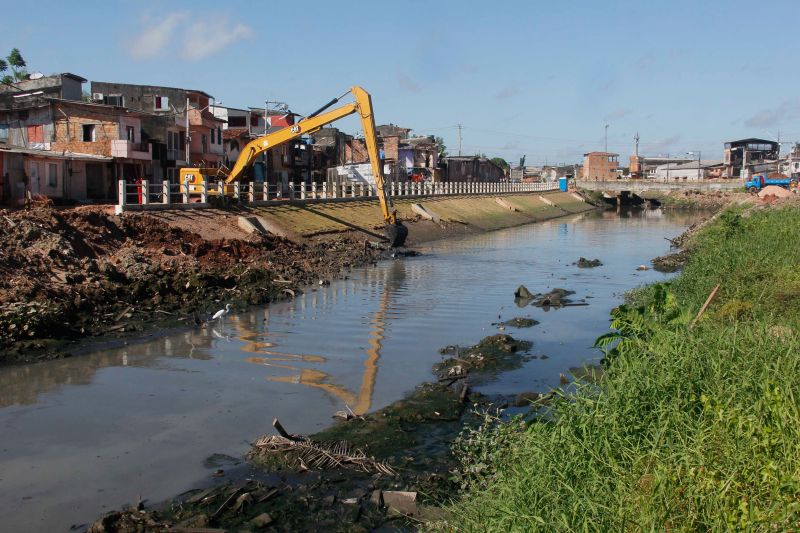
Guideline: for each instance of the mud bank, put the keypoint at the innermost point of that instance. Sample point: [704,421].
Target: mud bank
[390,468]
[71,274]
[74,274]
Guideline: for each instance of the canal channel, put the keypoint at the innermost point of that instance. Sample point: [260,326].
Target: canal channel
[94,432]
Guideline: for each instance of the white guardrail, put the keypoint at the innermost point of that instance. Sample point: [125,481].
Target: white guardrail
[166,195]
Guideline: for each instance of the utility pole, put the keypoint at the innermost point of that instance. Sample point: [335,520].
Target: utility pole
[638,163]
[188,138]
[605,145]
[668,164]
[459,139]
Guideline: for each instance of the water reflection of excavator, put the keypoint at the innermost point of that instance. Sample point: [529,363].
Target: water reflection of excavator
[359,401]
[395,231]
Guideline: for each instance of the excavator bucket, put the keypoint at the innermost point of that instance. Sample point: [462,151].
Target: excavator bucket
[396,233]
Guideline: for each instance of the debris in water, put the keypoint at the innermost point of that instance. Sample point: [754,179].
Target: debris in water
[522,292]
[309,454]
[518,322]
[588,263]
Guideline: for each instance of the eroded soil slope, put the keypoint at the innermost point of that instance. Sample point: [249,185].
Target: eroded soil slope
[65,274]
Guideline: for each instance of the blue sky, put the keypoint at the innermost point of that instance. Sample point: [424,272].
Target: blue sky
[533,78]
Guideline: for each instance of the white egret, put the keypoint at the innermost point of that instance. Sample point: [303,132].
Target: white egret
[222,312]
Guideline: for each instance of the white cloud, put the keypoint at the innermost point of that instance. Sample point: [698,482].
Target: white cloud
[204,36]
[209,36]
[154,39]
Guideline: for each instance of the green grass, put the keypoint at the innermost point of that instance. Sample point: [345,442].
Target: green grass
[691,429]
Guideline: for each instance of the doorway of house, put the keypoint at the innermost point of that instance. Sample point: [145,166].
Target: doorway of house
[95,182]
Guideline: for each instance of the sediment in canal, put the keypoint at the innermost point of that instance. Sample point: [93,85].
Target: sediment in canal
[389,467]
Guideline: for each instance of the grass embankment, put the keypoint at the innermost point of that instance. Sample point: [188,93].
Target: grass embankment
[692,428]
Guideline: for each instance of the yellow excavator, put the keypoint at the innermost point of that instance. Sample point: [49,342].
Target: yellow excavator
[396,232]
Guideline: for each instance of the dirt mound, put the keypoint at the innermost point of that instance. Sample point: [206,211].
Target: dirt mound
[70,273]
[775,191]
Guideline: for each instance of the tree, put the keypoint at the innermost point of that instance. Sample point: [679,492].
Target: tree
[522,162]
[17,64]
[500,162]
[440,146]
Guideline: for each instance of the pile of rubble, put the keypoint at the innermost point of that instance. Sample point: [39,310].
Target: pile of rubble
[78,272]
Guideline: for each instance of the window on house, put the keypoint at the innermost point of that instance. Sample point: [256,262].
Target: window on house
[36,134]
[182,143]
[162,103]
[237,122]
[3,132]
[130,134]
[204,142]
[88,133]
[212,136]
[219,135]
[52,175]
[113,99]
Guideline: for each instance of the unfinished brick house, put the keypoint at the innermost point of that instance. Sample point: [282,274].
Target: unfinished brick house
[164,124]
[56,145]
[600,166]
[105,131]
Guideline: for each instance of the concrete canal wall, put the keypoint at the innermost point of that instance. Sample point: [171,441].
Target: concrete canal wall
[428,218]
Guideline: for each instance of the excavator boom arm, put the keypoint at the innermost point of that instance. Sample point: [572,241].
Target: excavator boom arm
[271,140]
[363,106]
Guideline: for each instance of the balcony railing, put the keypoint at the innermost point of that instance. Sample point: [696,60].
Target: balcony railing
[130,150]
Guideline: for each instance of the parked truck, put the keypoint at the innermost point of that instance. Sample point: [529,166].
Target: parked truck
[759,181]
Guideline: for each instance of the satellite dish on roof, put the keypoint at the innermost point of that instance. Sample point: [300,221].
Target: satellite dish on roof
[35,76]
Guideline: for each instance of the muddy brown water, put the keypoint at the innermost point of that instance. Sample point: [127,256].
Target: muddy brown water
[88,434]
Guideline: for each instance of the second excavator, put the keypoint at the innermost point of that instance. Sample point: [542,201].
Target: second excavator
[395,231]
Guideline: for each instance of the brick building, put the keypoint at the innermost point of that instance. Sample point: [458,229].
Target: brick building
[600,166]
[54,144]
[164,124]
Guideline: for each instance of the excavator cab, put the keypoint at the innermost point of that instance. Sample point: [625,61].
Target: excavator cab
[210,175]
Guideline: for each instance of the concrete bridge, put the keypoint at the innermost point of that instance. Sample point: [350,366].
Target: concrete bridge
[647,187]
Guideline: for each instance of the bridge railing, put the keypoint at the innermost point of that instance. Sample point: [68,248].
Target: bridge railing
[166,195]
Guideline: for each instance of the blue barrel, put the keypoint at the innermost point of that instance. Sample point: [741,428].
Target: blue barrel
[562,184]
